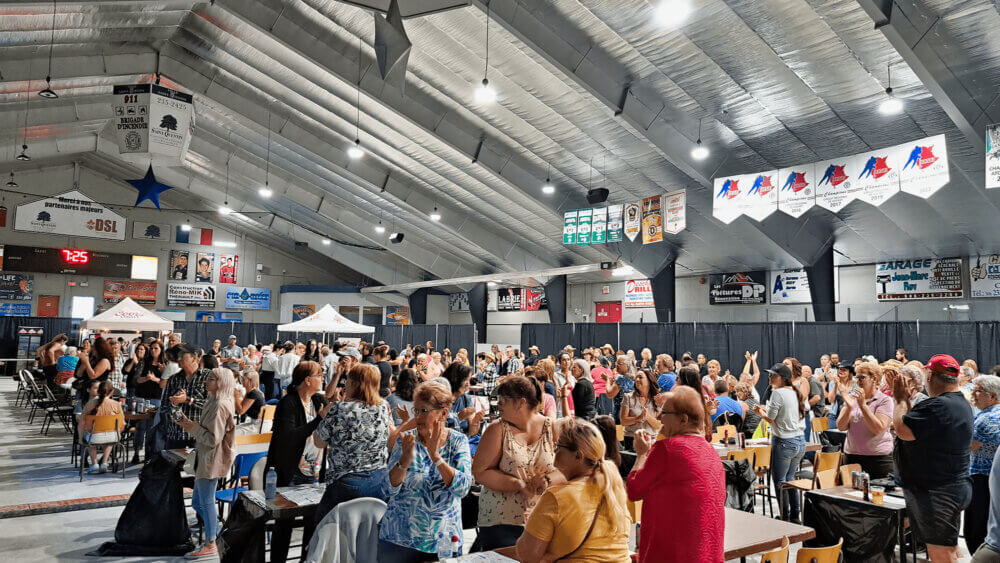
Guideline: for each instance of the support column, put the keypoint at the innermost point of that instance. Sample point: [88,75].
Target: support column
[664,294]
[418,306]
[555,293]
[477,306]
[821,281]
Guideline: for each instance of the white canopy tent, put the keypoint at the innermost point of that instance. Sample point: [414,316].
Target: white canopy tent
[326,320]
[127,316]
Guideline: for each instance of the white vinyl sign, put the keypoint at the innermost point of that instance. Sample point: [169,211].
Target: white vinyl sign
[71,213]
[170,124]
[151,231]
[984,273]
[190,295]
[638,293]
[878,179]
[762,195]
[925,166]
[728,202]
[675,212]
[993,156]
[130,106]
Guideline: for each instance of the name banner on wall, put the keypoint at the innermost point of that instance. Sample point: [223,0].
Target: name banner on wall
[16,287]
[397,315]
[675,212]
[520,299]
[632,220]
[143,293]
[922,278]
[248,298]
[150,231]
[614,223]
[599,225]
[638,293]
[15,309]
[993,156]
[190,295]
[569,227]
[458,302]
[131,117]
[71,213]
[738,288]
[985,276]
[652,220]
[583,220]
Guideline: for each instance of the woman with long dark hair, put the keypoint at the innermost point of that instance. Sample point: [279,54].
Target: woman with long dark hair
[48,357]
[312,351]
[639,410]
[96,366]
[101,405]
[689,376]
[401,399]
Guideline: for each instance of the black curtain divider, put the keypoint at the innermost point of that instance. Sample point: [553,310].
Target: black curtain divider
[550,338]
[477,308]
[657,337]
[51,326]
[455,337]
[821,286]
[664,291]
[988,339]
[955,338]
[812,340]
[595,334]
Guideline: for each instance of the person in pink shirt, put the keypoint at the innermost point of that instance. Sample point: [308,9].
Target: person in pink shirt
[867,416]
[604,385]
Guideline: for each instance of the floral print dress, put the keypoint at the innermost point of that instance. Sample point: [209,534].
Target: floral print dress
[358,435]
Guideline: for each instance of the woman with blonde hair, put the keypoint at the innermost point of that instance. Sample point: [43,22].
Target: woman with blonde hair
[646,359]
[586,517]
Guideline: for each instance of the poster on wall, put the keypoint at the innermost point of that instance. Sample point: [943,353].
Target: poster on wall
[204,267]
[151,231]
[632,220]
[921,278]
[583,220]
[71,213]
[15,309]
[190,295]
[508,299]
[397,315]
[170,122]
[130,106]
[738,288]
[993,156]
[458,302]
[599,226]
[879,176]
[178,265]
[798,189]
[652,220]
[521,299]
[217,317]
[48,305]
[792,286]
[534,299]
[925,168]
[569,227]
[300,312]
[248,298]
[984,273]
[675,212]
[614,223]
[638,293]
[16,287]
[143,293]
[227,268]
[762,197]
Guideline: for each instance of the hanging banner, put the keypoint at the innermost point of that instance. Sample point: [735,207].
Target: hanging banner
[248,298]
[583,226]
[178,267]
[878,179]
[614,223]
[740,288]
[190,295]
[71,213]
[569,227]
[48,305]
[797,194]
[762,197]
[632,220]
[652,220]
[727,204]
[227,268]
[170,123]
[837,184]
[458,302]
[150,231]
[926,278]
[130,106]
[397,315]
[521,299]
[598,229]
[16,287]
[992,156]
[143,293]
[491,300]
[15,309]
[508,299]
[984,274]
[534,299]
[638,293]
[204,267]
[674,212]
[925,169]
[300,312]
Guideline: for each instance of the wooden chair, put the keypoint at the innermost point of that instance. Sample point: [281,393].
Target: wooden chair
[619,433]
[725,429]
[820,424]
[266,414]
[845,473]
[249,439]
[820,554]
[825,479]
[778,555]
[762,467]
[826,460]
[741,455]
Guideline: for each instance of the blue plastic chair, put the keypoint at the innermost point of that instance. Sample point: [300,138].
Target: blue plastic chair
[232,489]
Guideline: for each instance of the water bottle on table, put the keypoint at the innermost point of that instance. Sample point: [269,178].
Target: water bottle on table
[271,484]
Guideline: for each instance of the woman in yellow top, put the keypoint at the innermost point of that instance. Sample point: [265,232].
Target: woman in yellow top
[584,519]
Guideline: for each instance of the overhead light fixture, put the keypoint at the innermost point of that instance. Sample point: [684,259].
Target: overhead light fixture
[224,210]
[491,284]
[379,229]
[700,151]
[186,227]
[435,215]
[672,13]
[11,183]
[891,105]
[326,242]
[547,187]
[485,94]
[48,92]
[356,152]
[23,157]
[265,192]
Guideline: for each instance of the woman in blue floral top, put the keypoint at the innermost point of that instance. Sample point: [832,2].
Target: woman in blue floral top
[985,440]
[430,470]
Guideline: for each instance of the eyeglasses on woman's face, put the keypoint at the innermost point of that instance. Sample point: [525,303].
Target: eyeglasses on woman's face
[567,447]
[425,412]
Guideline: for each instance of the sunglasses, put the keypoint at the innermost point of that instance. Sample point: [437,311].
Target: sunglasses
[567,447]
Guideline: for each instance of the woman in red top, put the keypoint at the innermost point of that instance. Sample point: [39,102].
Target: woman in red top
[683,484]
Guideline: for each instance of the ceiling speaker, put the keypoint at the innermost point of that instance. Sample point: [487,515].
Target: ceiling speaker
[396,238]
[597,195]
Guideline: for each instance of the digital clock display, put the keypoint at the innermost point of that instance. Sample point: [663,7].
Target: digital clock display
[76,257]
[75,261]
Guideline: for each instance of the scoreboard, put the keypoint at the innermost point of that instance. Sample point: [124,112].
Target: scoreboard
[76,261]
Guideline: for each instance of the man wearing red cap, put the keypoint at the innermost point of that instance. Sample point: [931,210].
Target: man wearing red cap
[933,457]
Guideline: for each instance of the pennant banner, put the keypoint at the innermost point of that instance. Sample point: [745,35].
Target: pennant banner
[569,227]
[727,198]
[925,169]
[993,156]
[130,107]
[837,184]
[762,196]
[632,221]
[614,223]
[652,220]
[878,179]
[170,123]
[798,189]
[675,212]
[583,221]
[598,229]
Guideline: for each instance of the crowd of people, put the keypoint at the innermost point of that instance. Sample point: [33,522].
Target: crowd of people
[536,434]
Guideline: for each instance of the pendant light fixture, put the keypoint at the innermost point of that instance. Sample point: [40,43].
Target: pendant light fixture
[435,215]
[380,229]
[224,209]
[547,187]
[356,152]
[699,152]
[485,94]
[23,156]
[11,183]
[48,92]
[186,227]
[265,191]
[672,13]
[891,105]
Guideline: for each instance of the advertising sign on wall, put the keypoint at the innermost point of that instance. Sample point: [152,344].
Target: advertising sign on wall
[569,227]
[190,295]
[458,302]
[521,299]
[248,298]
[143,293]
[48,305]
[71,213]
[638,293]
[217,317]
[984,273]
[15,309]
[151,231]
[921,278]
[397,315]
[614,223]
[993,156]
[300,312]
[738,288]
[16,287]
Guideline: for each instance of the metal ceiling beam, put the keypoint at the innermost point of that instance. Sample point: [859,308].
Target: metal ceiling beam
[498,277]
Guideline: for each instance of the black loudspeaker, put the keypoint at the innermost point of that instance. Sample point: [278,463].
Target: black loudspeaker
[597,195]
[300,245]
[396,238]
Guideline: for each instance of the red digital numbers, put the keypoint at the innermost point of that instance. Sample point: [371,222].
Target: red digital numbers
[75,256]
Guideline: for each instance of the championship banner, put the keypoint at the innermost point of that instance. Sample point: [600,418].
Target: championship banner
[798,189]
[300,312]
[599,225]
[227,268]
[143,293]
[985,276]
[190,295]
[569,227]
[131,117]
[614,223]
[397,315]
[925,169]
[638,293]
[632,221]
[150,231]
[583,226]
[878,179]
[458,302]
[993,156]
[838,182]
[927,278]
[740,288]
[652,220]
[16,287]
[178,267]
[204,267]
[15,309]
[248,298]
[727,205]
[170,116]
[762,197]
[71,213]
[675,212]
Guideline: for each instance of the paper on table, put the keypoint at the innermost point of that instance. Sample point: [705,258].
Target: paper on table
[860,495]
[483,557]
[302,495]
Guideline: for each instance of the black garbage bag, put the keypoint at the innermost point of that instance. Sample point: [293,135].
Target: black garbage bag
[154,522]
[869,531]
[740,478]
[241,539]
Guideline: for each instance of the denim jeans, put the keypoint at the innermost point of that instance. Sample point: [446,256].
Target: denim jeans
[203,502]
[142,427]
[786,454]
[389,552]
[374,483]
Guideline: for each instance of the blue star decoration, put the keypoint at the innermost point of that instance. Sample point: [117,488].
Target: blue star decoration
[149,188]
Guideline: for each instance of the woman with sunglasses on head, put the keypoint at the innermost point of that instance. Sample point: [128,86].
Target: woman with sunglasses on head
[639,411]
[430,471]
[585,518]
[867,417]
[513,463]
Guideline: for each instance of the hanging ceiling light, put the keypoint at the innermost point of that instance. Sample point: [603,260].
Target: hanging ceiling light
[671,13]
[266,191]
[355,152]
[547,187]
[186,226]
[326,242]
[891,105]
[485,94]
[435,216]
[11,183]
[48,92]
[699,152]
[224,210]
[23,157]
[380,229]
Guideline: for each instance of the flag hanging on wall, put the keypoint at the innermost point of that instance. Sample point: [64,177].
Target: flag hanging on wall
[194,236]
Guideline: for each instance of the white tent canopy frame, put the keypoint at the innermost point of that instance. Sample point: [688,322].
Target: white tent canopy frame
[326,320]
[127,316]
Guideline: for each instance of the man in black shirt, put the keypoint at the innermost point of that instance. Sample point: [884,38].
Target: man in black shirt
[932,457]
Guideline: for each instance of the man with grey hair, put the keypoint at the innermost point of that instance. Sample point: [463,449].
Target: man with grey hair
[985,439]
[933,457]
[989,550]
[915,382]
